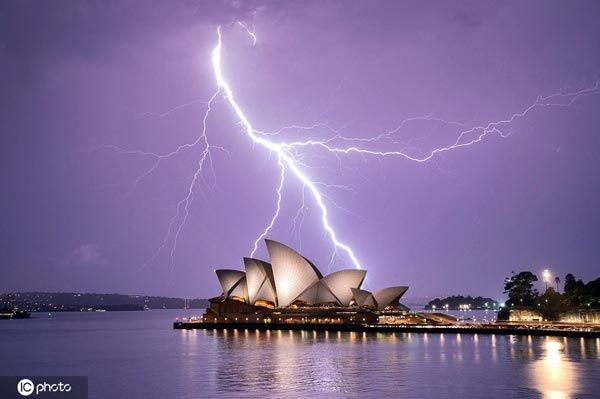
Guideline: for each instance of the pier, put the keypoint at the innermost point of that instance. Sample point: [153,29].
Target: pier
[577,331]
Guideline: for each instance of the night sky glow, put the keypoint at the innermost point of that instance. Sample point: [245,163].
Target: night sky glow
[146,152]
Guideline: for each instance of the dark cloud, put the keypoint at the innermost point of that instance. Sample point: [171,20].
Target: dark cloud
[71,28]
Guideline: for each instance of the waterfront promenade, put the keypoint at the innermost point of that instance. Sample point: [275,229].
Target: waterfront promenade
[564,330]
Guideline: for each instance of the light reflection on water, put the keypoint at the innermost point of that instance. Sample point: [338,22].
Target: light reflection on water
[303,363]
[146,358]
[555,376]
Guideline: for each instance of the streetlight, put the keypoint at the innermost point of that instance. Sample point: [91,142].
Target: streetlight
[546,276]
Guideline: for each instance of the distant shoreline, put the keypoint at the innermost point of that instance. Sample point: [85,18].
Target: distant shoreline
[43,313]
[50,302]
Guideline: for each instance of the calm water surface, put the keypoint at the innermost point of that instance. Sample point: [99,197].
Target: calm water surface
[139,355]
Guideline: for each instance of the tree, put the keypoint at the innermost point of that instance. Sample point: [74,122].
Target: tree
[575,291]
[519,288]
[570,284]
[550,304]
[557,280]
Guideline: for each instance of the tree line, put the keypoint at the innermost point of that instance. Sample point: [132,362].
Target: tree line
[576,294]
[459,302]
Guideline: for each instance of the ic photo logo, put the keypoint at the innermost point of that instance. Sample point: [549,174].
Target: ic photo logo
[26,387]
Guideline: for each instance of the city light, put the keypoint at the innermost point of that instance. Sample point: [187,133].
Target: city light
[546,276]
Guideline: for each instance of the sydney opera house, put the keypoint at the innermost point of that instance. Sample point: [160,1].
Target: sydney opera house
[291,289]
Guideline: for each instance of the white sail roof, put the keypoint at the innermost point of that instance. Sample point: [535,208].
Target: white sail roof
[318,293]
[240,290]
[290,277]
[386,296]
[363,297]
[260,281]
[229,278]
[292,272]
[340,283]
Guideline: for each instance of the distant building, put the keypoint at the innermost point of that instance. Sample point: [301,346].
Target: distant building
[531,314]
[291,289]
[525,314]
[588,316]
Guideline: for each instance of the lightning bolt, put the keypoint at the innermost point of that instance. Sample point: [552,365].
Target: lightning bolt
[277,210]
[184,204]
[249,32]
[179,219]
[298,220]
[285,159]
[480,132]
[289,153]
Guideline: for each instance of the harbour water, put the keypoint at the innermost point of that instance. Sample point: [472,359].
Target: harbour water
[139,355]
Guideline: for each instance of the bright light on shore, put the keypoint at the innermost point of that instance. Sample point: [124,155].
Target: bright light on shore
[546,275]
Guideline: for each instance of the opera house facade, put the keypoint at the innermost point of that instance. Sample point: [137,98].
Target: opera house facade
[291,289]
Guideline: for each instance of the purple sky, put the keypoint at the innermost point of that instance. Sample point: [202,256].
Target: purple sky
[75,75]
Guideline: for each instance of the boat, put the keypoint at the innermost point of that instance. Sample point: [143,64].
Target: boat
[7,314]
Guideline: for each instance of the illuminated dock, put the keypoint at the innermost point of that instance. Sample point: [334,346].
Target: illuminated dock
[497,329]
